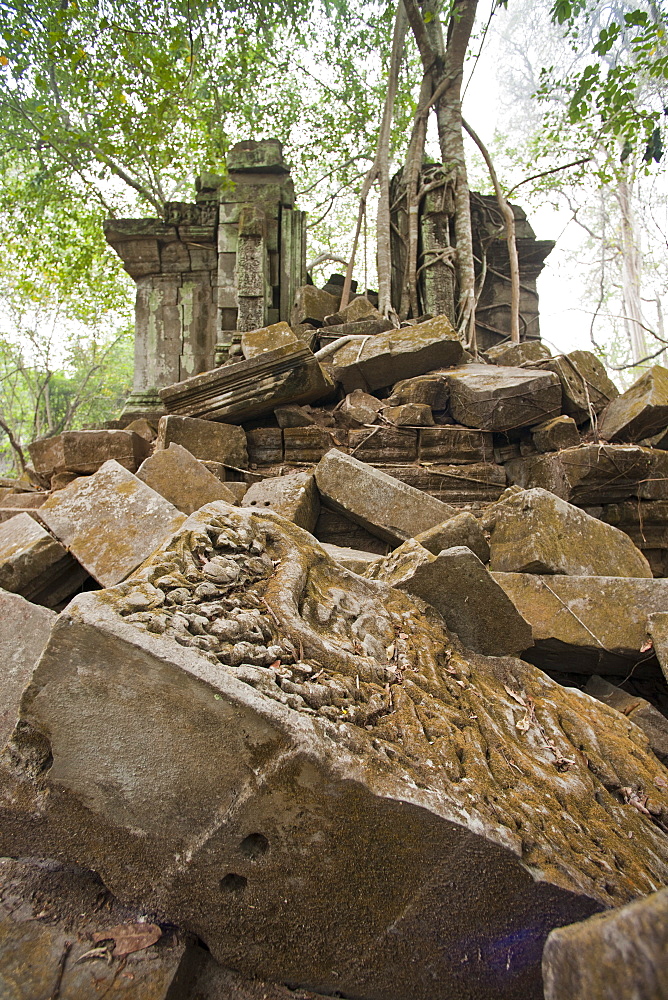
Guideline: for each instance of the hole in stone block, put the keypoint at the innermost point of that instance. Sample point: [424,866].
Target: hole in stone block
[233,883]
[254,846]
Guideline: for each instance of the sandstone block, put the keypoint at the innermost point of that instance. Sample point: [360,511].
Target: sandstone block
[382,360]
[456,583]
[356,560]
[249,389]
[293,416]
[24,631]
[432,390]
[657,627]
[577,622]
[584,383]
[462,529]
[359,308]
[312,305]
[457,484]
[207,440]
[553,435]
[536,532]
[86,451]
[452,445]
[268,338]
[35,565]
[110,521]
[409,415]
[510,355]
[652,722]
[178,477]
[306,444]
[499,399]
[384,506]
[415,851]
[265,445]
[612,955]
[294,496]
[357,409]
[384,444]
[639,412]
[144,428]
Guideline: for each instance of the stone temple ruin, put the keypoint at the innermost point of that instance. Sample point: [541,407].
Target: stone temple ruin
[341,672]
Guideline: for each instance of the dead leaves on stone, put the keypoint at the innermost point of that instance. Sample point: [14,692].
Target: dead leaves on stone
[124,939]
[529,721]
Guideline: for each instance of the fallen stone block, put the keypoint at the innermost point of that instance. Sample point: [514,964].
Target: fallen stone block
[35,565]
[20,503]
[536,532]
[454,483]
[587,624]
[85,451]
[462,529]
[652,722]
[657,628]
[431,390]
[639,412]
[268,338]
[356,560]
[359,308]
[24,631]
[458,585]
[358,409]
[206,440]
[249,389]
[382,360]
[452,445]
[54,915]
[585,384]
[553,435]
[432,836]
[144,428]
[645,522]
[500,399]
[265,446]
[178,477]
[612,955]
[381,504]
[334,528]
[308,444]
[294,496]
[383,444]
[312,305]
[409,415]
[294,416]
[511,355]
[361,328]
[595,473]
[110,521]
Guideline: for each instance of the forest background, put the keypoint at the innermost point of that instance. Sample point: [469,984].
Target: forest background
[111,108]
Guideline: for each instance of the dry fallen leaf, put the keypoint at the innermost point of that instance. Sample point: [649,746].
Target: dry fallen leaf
[129,937]
[646,646]
[516,697]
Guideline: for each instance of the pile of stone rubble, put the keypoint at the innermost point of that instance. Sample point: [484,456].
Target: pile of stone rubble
[347,677]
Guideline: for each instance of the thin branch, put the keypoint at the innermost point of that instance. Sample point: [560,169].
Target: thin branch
[553,170]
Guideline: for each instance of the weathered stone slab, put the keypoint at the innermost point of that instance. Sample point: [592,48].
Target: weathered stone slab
[294,416]
[595,473]
[249,389]
[638,710]
[409,415]
[178,477]
[384,444]
[553,435]
[462,529]
[536,532]
[110,521]
[335,529]
[645,522]
[357,409]
[35,565]
[584,381]
[312,305]
[407,832]
[587,624]
[24,631]
[510,355]
[294,496]
[499,399]
[207,440]
[382,360]
[265,445]
[639,412]
[356,560]
[456,583]
[359,308]
[268,338]
[657,628]
[381,504]
[49,915]
[454,483]
[452,445]
[429,389]
[612,955]
[86,451]
[20,503]
[306,444]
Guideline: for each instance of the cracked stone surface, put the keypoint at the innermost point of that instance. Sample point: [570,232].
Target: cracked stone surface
[301,767]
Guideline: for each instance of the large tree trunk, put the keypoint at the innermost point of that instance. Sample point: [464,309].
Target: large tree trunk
[631,270]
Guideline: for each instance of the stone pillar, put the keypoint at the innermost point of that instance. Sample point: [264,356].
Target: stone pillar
[251,272]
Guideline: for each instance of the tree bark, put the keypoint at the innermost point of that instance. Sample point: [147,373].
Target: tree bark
[631,270]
